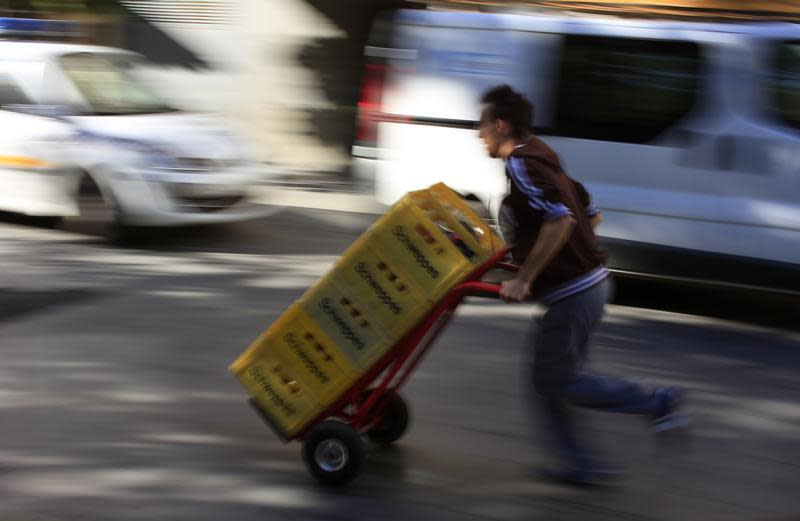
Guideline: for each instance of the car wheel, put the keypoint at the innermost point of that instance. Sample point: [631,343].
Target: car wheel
[97,213]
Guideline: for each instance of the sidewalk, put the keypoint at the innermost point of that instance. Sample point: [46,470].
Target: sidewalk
[299,197]
[321,191]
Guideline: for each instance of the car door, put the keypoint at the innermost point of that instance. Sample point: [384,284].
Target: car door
[32,179]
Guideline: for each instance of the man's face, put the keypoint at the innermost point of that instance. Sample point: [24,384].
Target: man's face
[492,131]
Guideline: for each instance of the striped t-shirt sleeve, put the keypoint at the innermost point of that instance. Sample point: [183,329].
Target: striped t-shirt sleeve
[586,200]
[536,199]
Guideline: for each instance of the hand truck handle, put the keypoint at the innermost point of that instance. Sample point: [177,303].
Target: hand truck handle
[481,289]
[513,268]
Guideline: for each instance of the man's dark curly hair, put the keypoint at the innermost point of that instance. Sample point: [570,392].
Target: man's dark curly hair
[507,104]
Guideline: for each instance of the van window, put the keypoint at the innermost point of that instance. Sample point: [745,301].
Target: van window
[10,93]
[784,84]
[624,89]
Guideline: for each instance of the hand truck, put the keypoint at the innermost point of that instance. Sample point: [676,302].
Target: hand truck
[333,448]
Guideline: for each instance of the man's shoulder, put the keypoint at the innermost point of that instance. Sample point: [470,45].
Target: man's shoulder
[533,146]
[536,161]
[536,151]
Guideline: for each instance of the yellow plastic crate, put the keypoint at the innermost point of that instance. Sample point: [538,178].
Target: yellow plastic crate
[306,352]
[349,324]
[420,248]
[376,283]
[280,393]
[381,287]
[473,230]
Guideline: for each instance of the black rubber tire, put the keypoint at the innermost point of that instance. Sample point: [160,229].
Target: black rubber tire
[98,213]
[49,222]
[118,234]
[333,452]
[394,423]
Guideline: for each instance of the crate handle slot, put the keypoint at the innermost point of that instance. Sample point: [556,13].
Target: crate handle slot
[426,235]
[318,347]
[289,382]
[392,276]
[353,311]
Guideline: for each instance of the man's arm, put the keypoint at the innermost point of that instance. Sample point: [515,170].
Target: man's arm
[586,200]
[595,220]
[552,237]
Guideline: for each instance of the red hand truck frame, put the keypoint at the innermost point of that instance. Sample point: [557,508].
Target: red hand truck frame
[332,446]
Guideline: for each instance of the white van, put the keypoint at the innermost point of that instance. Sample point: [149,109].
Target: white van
[82,135]
[686,134]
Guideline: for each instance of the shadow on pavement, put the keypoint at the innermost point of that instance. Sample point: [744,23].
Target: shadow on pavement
[123,409]
[746,306]
[290,231]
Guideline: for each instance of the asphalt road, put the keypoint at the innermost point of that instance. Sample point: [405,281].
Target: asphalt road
[115,402]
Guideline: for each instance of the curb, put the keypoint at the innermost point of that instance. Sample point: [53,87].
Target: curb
[318,200]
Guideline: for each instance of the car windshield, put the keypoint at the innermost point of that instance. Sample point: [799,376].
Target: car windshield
[110,86]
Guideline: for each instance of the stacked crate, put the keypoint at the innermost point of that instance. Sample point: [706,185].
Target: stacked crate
[382,286]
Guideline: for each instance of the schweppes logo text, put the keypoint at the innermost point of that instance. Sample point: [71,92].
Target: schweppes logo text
[345,330]
[363,270]
[271,392]
[419,257]
[301,353]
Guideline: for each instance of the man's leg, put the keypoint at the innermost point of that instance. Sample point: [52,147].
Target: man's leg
[605,392]
[556,361]
[561,349]
[613,395]
[559,428]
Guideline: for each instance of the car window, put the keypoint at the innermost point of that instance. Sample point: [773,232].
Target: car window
[110,86]
[783,81]
[10,93]
[624,89]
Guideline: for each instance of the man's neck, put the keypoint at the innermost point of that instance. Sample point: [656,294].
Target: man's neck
[509,146]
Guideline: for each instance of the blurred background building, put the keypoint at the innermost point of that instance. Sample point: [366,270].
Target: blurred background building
[287,73]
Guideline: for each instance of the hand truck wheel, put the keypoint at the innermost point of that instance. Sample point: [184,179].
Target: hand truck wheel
[393,424]
[333,452]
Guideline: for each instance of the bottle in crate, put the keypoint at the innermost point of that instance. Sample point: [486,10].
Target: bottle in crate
[433,247]
[469,231]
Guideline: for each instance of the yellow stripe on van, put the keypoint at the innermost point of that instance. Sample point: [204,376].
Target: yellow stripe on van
[24,162]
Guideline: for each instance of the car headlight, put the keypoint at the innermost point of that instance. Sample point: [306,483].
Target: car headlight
[194,164]
[150,157]
[156,161]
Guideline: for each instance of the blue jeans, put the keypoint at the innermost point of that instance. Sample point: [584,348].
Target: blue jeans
[561,348]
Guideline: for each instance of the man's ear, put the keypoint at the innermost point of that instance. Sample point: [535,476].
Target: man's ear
[503,127]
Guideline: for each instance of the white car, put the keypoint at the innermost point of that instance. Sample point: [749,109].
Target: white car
[82,136]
